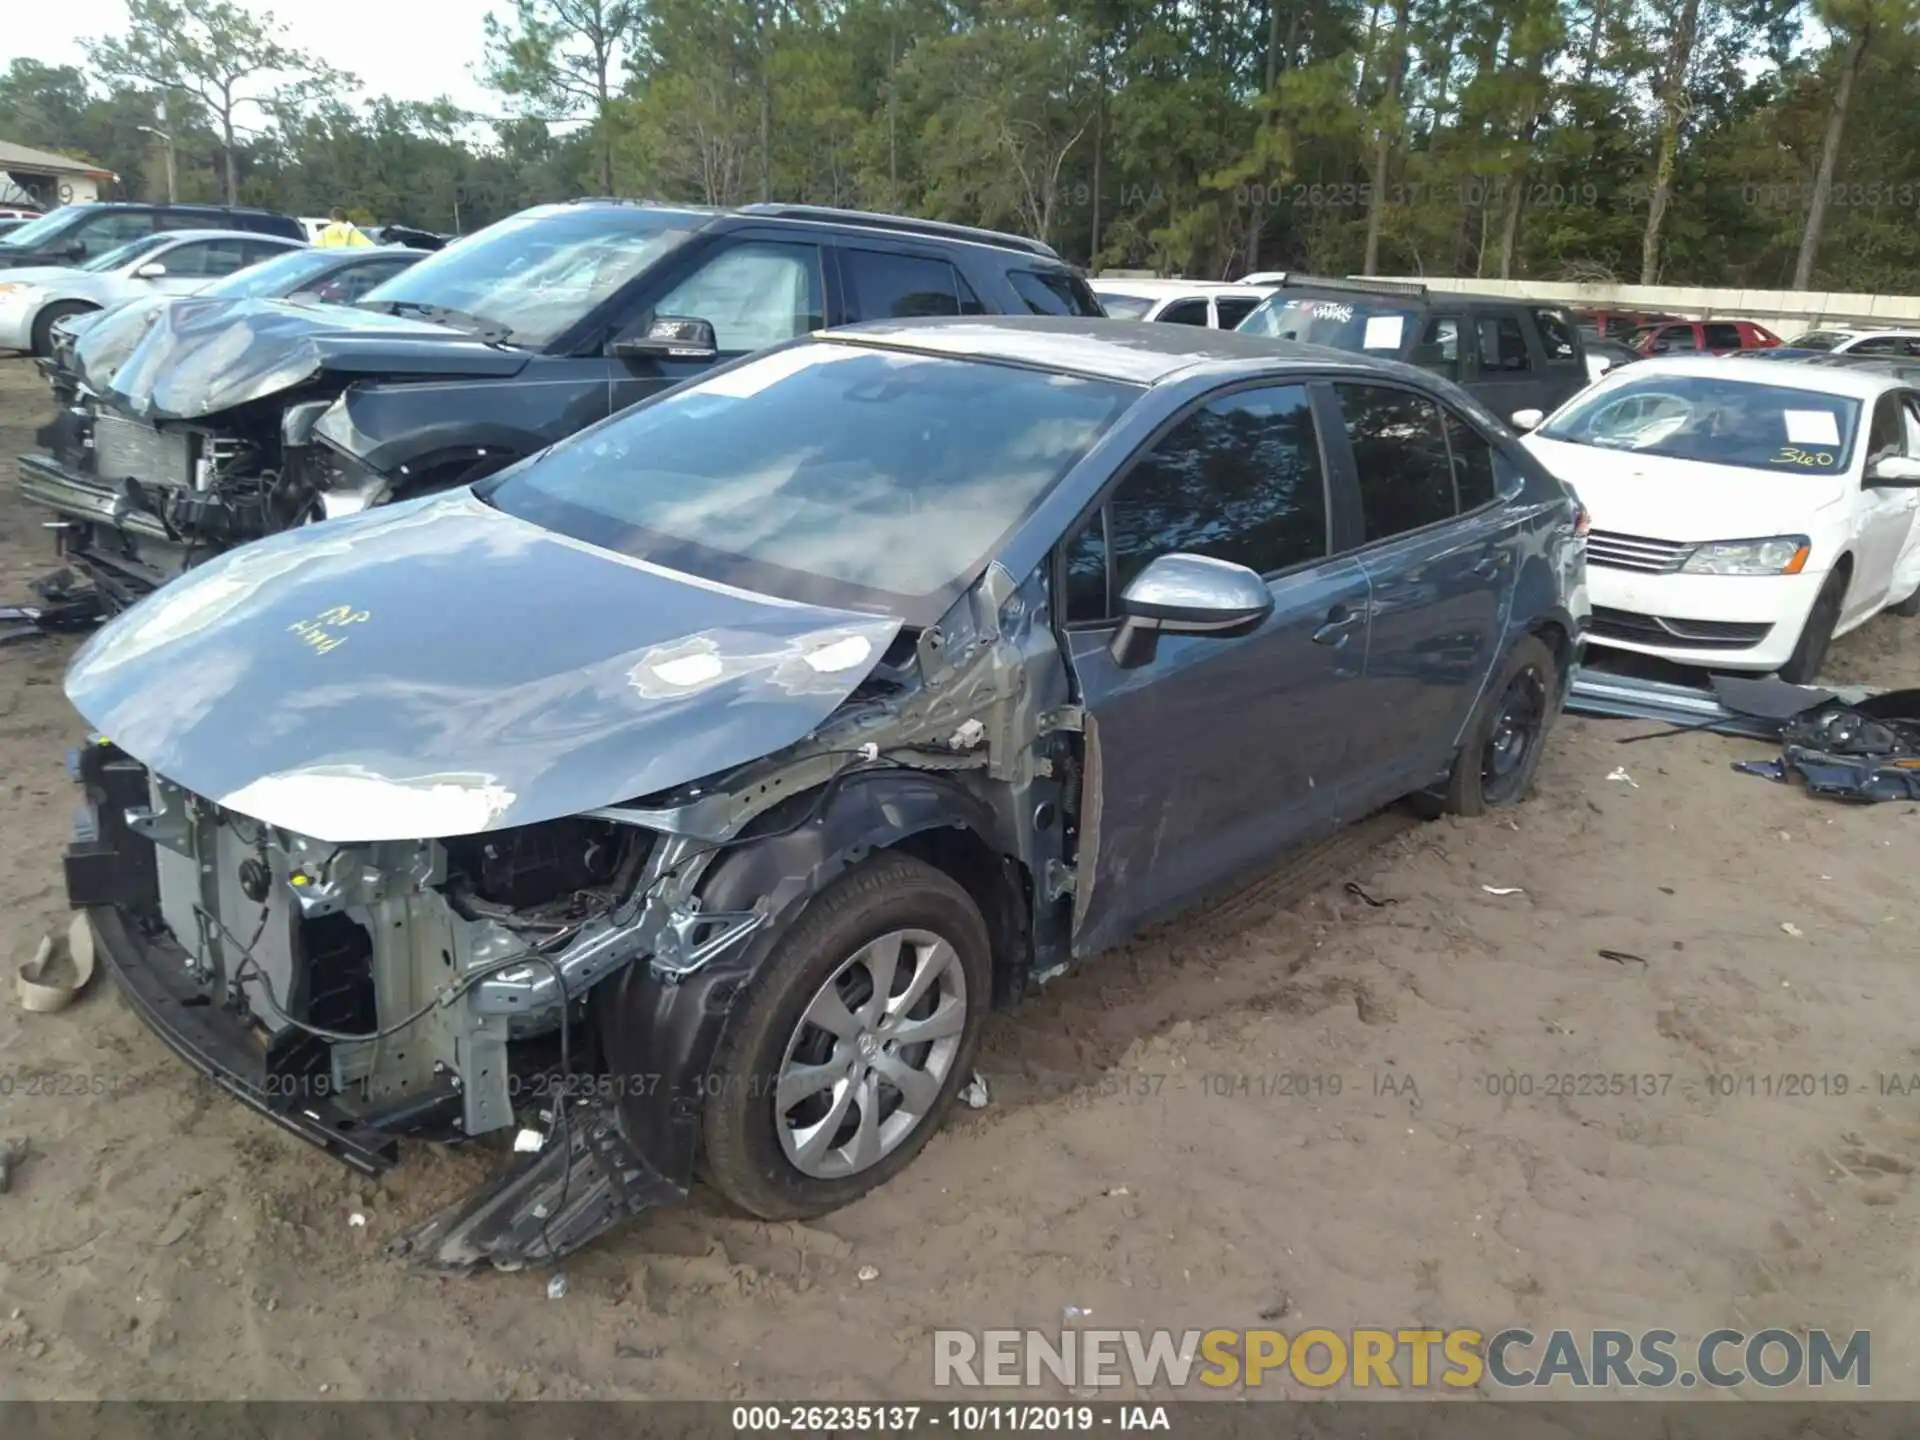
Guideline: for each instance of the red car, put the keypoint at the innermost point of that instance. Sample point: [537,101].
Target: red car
[1710,337]
[1611,324]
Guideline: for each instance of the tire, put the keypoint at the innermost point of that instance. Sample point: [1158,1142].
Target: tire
[43,323]
[781,1163]
[1505,738]
[1907,608]
[1816,636]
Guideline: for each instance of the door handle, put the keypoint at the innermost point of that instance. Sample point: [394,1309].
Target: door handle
[1340,622]
[1487,566]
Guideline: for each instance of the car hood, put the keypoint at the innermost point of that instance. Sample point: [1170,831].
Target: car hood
[439,668]
[205,354]
[1665,499]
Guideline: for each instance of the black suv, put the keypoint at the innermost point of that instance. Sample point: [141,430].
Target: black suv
[235,419]
[1511,354]
[76,233]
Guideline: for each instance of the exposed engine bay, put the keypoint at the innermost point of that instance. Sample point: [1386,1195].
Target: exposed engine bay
[139,502]
[563,982]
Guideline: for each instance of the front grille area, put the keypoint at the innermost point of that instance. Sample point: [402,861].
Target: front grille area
[1693,634]
[123,448]
[1632,552]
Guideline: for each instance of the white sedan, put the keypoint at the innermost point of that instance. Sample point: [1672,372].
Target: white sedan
[1213,304]
[1744,513]
[173,262]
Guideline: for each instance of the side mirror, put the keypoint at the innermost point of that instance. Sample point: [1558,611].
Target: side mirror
[152,270]
[1525,420]
[675,337]
[75,251]
[1183,594]
[1894,472]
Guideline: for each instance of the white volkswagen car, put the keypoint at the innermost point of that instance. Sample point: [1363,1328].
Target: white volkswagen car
[1744,512]
[173,262]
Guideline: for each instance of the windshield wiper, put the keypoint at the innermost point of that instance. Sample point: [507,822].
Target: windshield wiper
[491,331]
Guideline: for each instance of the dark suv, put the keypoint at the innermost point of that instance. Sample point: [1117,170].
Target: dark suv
[75,233]
[1510,354]
[716,771]
[233,419]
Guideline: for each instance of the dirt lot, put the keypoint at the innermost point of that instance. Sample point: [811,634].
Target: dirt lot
[162,1243]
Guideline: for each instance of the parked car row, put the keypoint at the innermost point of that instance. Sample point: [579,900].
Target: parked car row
[738,650]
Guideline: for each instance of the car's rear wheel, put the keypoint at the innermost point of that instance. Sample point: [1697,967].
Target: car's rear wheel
[1816,636]
[1507,734]
[851,1046]
[45,321]
[1907,608]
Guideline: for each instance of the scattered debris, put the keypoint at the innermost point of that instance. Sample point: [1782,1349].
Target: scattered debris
[1622,957]
[12,1152]
[1864,752]
[623,1351]
[528,1141]
[974,1096]
[357,1221]
[867,1273]
[68,607]
[38,988]
[557,1285]
[1619,772]
[1075,1312]
[1119,1190]
[1278,1310]
[1791,929]
[1503,889]
[1354,888]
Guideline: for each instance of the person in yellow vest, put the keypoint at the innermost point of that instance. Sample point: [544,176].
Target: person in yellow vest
[340,232]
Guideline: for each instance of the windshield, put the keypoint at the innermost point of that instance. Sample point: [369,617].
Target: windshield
[538,273]
[1816,340]
[1123,307]
[282,275]
[1716,421]
[1361,325]
[35,232]
[823,472]
[126,254]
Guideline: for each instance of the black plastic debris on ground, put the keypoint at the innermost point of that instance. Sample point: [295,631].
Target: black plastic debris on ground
[67,605]
[1865,752]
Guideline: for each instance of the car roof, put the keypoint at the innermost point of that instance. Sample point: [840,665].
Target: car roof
[1412,298]
[287,240]
[1859,382]
[1105,349]
[1157,289]
[831,215]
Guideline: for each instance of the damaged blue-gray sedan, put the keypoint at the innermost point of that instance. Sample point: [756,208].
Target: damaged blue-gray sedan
[681,799]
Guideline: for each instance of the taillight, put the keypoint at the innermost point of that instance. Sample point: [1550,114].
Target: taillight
[1582,521]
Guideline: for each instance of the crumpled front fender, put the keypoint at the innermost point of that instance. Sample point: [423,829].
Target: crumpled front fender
[660,1037]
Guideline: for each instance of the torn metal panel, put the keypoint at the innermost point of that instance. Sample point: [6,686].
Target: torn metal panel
[439,668]
[1602,693]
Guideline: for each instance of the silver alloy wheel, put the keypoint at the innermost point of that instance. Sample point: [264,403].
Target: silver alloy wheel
[870,1054]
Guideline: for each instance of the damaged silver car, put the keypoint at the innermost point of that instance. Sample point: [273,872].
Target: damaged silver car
[681,799]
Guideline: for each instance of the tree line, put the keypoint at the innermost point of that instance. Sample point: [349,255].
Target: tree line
[1763,143]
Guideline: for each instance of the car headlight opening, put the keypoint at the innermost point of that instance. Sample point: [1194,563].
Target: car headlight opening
[1776,555]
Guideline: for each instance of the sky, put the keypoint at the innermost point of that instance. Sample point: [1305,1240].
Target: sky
[408,49]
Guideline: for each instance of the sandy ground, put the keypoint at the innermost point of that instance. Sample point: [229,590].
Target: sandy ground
[160,1242]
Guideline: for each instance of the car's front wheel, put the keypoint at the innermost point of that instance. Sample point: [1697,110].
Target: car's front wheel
[851,1046]
[42,339]
[1816,636]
